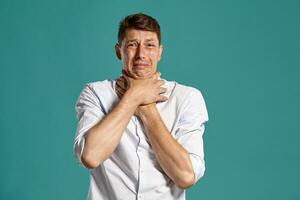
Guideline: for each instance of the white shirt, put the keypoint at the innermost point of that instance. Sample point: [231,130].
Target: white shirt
[132,171]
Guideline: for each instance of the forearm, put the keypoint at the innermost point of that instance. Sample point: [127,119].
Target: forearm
[103,138]
[173,158]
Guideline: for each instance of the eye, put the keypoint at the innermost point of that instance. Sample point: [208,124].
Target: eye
[150,45]
[132,44]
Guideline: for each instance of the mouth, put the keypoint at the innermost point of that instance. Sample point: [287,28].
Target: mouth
[140,65]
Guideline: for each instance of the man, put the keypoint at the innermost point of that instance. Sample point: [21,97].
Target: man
[140,135]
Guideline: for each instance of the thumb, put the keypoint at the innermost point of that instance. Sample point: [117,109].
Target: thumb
[124,72]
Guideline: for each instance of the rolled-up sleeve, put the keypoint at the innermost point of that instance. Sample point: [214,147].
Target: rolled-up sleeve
[88,112]
[191,128]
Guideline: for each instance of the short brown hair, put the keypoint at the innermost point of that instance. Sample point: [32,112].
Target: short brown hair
[138,21]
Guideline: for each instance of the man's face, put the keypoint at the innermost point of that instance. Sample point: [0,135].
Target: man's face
[140,53]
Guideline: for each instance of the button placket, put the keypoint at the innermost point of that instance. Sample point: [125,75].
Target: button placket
[138,152]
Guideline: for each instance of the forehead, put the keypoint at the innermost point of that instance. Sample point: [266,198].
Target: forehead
[140,35]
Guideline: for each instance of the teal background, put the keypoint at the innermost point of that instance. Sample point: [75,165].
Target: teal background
[242,55]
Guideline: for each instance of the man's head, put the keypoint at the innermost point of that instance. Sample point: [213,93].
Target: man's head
[139,45]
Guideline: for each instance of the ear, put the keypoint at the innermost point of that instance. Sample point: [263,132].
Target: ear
[160,52]
[118,51]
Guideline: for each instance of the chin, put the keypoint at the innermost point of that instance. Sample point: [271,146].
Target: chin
[144,76]
[140,76]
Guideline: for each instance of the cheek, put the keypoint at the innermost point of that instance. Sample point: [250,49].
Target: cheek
[129,56]
[154,55]
[126,58]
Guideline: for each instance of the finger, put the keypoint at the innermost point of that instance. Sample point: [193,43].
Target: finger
[120,87]
[161,98]
[119,80]
[156,75]
[162,90]
[124,80]
[125,72]
[161,82]
[120,92]
[127,78]
[121,84]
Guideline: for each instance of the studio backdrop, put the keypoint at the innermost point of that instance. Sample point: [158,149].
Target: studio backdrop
[244,56]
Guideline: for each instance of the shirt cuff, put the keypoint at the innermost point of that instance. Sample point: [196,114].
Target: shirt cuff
[78,149]
[198,166]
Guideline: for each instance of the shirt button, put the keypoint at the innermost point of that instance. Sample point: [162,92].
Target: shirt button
[140,196]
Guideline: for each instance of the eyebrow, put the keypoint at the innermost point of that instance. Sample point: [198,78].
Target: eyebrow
[133,40]
[150,40]
[147,40]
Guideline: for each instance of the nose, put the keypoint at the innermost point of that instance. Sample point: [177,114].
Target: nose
[140,52]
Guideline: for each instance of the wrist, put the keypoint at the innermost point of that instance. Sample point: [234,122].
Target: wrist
[131,98]
[146,111]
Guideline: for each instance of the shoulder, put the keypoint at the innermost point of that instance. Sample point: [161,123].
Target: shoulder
[98,88]
[188,98]
[97,92]
[183,92]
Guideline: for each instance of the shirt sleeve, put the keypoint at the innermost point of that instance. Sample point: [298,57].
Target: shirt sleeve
[191,128]
[89,112]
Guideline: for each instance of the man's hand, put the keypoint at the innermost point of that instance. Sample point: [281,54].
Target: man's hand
[144,91]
